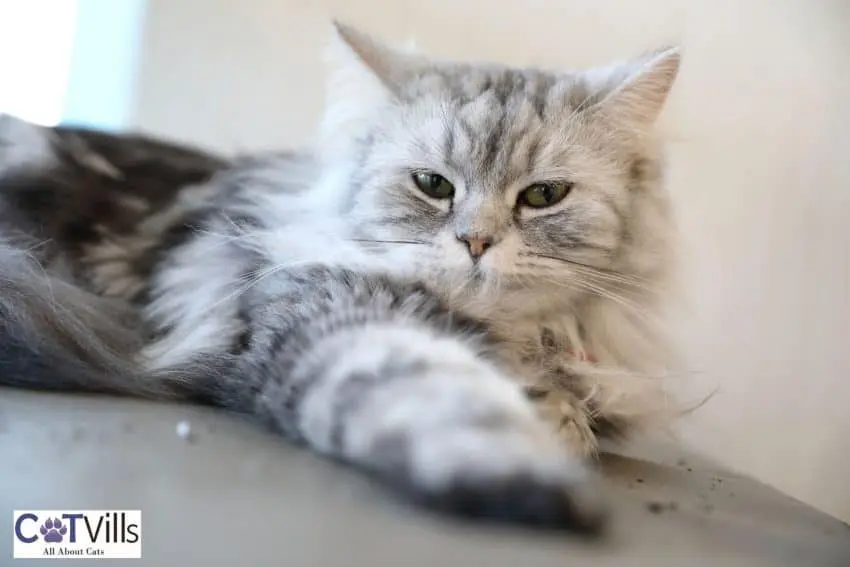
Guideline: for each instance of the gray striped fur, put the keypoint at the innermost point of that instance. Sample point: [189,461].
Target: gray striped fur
[323,295]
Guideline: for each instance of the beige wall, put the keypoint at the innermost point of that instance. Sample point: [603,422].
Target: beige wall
[760,169]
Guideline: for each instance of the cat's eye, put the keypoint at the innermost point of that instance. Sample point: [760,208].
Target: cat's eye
[434,185]
[541,195]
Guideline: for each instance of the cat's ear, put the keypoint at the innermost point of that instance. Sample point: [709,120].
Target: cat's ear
[364,76]
[634,93]
[357,52]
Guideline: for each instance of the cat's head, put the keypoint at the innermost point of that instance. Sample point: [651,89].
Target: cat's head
[543,186]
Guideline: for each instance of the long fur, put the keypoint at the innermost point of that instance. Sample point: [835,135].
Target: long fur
[324,295]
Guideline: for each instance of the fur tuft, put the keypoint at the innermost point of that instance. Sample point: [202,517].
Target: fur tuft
[56,336]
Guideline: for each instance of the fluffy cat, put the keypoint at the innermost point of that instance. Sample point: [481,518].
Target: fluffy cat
[456,290]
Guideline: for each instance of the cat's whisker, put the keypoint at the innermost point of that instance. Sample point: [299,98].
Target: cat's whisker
[603,275]
[631,306]
[601,279]
[222,238]
[254,279]
[240,233]
[595,269]
[584,285]
[40,244]
[620,285]
[236,227]
[257,278]
[379,241]
[611,275]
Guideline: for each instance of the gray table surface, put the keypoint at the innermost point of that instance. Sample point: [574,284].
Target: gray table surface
[234,495]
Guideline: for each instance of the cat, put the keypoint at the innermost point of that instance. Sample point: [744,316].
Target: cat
[457,288]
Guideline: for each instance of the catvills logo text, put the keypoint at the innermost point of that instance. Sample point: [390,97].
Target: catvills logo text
[66,534]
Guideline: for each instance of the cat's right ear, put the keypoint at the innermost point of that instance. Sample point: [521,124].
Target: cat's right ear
[364,76]
[356,53]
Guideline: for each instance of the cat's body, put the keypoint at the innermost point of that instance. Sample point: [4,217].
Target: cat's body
[327,296]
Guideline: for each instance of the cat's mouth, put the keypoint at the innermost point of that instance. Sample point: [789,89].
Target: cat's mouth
[477,272]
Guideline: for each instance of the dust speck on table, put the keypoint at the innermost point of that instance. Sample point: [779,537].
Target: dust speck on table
[660,507]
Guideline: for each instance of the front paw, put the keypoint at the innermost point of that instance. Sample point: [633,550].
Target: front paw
[568,416]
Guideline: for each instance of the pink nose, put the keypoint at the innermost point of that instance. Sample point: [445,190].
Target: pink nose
[476,246]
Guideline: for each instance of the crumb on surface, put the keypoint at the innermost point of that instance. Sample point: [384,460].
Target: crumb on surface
[655,507]
[184,430]
[659,507]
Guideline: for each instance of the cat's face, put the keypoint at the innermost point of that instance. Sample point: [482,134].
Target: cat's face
[497,180]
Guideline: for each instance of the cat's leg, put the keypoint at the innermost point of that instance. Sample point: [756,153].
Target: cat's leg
[568,415]
[424,411]
[383,377]
[585,403]
[554,385]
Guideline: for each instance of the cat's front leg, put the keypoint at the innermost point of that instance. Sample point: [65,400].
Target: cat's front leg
[585,401]
[567,414]
[381,376]
[555,385]
[425,413]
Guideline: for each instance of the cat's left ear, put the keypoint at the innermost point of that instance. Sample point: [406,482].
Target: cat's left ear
[634,93]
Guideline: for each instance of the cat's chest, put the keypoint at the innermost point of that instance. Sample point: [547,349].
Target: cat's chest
[533,345]
[540,349]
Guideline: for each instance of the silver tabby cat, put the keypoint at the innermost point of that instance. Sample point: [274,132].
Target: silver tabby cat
[456,290]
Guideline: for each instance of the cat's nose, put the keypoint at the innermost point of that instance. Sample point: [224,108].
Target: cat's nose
[476,245]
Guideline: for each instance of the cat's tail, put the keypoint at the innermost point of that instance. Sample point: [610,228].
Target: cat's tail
[57,336]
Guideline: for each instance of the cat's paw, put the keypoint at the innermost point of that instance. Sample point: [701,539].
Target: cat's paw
[509,476]
[568,417]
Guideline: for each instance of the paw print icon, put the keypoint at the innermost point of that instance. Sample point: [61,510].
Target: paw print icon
[53,530]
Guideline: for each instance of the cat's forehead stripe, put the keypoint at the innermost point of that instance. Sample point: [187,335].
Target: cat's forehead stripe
[497,119]
[492,144]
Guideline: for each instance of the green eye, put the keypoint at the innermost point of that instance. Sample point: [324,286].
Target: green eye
[433,185]
[541,195]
